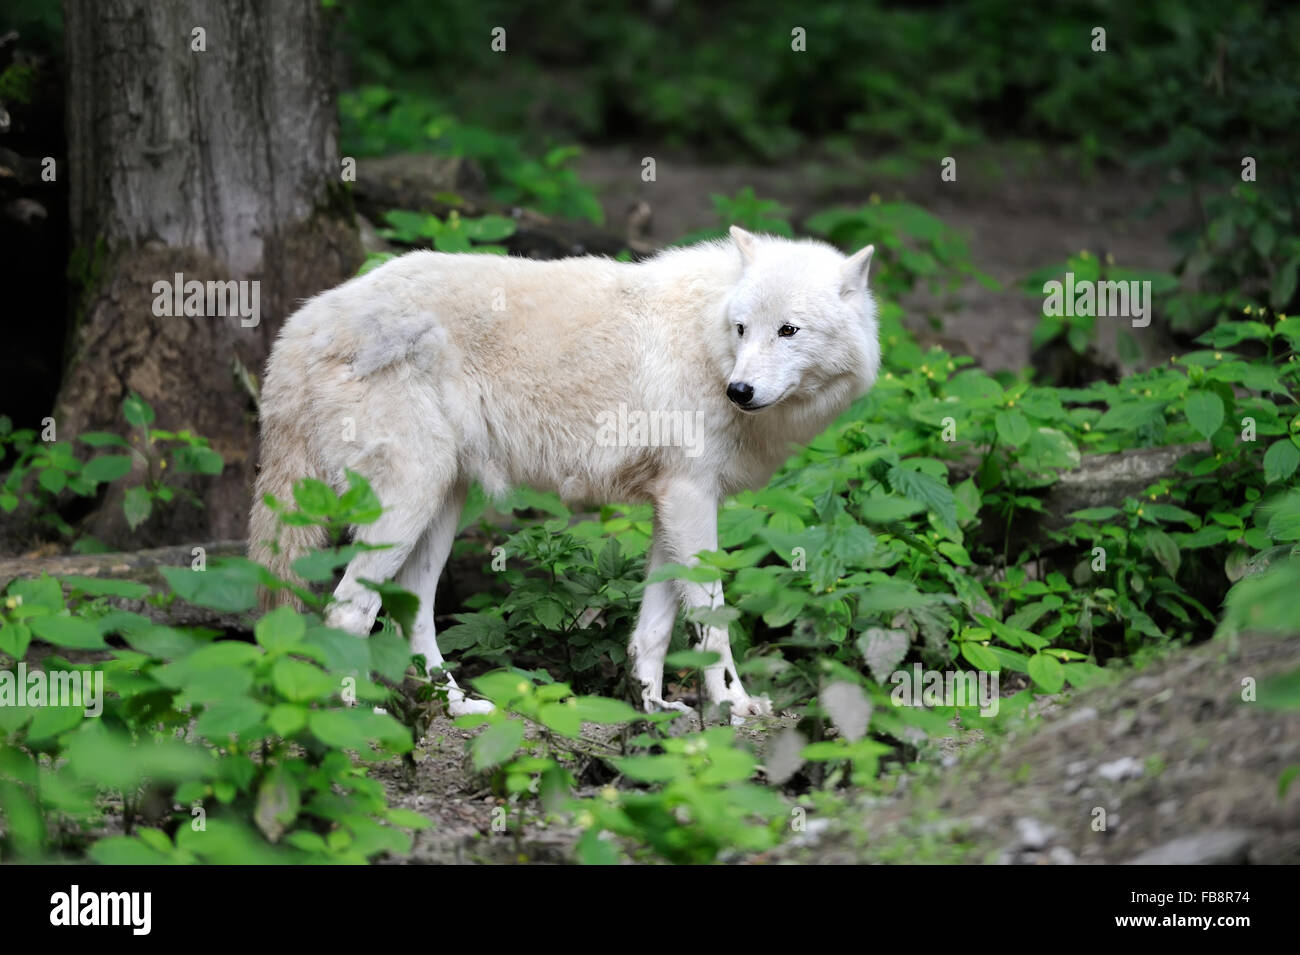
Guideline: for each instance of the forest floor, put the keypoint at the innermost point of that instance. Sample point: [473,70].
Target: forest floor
[1167,757]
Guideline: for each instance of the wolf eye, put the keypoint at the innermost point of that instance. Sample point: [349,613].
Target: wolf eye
[740,330]
[786,331]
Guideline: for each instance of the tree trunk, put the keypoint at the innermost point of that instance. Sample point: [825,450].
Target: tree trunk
[203,143]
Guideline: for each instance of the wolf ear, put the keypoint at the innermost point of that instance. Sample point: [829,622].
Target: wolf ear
[746,242]
[854,275]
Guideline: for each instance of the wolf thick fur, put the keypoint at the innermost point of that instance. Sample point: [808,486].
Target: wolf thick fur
[436,370]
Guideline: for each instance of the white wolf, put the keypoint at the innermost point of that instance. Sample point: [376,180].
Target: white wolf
[436,370]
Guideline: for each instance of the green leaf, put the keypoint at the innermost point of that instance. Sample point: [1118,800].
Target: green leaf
[407,818]
[691,659]
[1164,548]
[1047,672]
[137,411]
[356,728]
[43,591]
[319,566]
[979,656]
[1280,692]
[53,480]
[14,639]
[136,505]
[315,498]
[359,504]
[651,769]
[489,228]
[126,850]
[1013,427]
[345,653]
[229,585]
[497,743]
[107,467]
[51,721]
[1049,448]
[197,460]
[301,682]
[105,587]
[398,602]
[1205,411]
[281,629]
[71,632]
[390,654]
[562,718]
[1284,284]
[599,709]
[285,719]
[103,439]
[928,490]
[225,718]
[1095,513]
[1281,460]
[165,643]
[1132,415]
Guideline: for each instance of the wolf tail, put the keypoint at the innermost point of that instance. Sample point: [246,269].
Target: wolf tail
[284,459]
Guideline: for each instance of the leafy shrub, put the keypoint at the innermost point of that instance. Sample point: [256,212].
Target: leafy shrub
[55,467]
[228,751]
[377,121]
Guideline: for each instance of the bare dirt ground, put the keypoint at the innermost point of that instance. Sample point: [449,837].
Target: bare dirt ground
[1169,759]
[1167,765]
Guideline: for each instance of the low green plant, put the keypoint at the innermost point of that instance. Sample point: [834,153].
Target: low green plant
[209,749]
[377,120]
[690,797]
[454,234]
[42,469]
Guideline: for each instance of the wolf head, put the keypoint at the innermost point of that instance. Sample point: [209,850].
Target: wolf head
[802,323]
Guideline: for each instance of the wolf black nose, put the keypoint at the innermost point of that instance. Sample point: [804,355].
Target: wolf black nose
[740,392]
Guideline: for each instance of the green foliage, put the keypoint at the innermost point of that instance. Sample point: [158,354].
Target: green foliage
[1245,257]
[16,82]
[914,247]
[1181,83]
[251,740]
[44,468]
[691,797]
[377,120]
[1081,331]
[453,235]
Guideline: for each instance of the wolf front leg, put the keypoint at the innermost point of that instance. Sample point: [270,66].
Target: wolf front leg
[688,521]
[654,630]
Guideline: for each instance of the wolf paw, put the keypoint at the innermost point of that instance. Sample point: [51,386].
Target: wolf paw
[464,707]
[656,704]
[749,707]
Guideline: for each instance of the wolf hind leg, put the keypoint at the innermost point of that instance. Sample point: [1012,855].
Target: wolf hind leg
[412,487]
[419,575]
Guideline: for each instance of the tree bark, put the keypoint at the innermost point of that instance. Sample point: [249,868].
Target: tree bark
[203,142]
